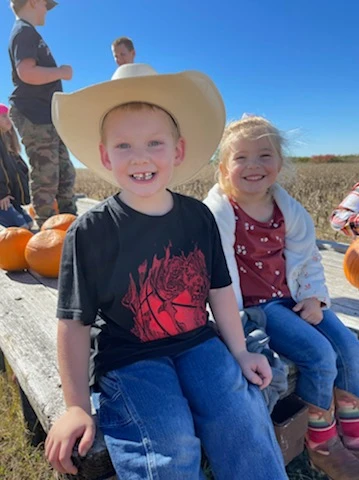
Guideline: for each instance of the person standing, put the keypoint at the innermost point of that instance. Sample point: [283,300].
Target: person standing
[123,51]
[36,77]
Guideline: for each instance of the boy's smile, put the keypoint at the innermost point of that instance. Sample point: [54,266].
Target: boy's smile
[141,147]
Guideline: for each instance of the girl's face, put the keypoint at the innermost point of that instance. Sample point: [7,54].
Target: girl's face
[5,123]
[252,167]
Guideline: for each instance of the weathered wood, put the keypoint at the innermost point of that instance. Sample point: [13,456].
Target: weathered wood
[2,362]
[33,426]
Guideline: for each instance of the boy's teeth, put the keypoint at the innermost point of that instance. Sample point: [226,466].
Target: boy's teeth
[143,176]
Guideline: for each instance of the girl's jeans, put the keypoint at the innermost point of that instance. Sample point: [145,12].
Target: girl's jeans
[15,216]
[326,355]
[156,413]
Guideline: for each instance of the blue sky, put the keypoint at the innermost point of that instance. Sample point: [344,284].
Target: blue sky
[295,62]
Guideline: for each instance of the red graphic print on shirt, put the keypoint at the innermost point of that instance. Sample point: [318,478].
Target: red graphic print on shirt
[171,297]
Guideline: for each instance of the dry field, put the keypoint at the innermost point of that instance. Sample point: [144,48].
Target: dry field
[319,187]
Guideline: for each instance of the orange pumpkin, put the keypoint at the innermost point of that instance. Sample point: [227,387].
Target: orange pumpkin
[32,211]
[43,252]
[351,263]
[59,222]
[13,241]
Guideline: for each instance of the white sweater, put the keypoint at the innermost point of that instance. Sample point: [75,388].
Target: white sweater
[304,270]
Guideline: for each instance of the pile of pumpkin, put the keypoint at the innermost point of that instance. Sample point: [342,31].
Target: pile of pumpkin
[20,249]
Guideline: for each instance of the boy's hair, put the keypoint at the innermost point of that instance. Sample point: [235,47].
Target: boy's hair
[11,141]
[127,42]
[138,106]
[249,128]
[16,5]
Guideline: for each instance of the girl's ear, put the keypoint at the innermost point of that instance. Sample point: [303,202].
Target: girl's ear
[223,169]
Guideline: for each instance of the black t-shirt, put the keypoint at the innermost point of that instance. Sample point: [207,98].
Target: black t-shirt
[147,277]
[33,101]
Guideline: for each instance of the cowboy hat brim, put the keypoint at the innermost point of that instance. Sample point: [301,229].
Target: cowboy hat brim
[190,97]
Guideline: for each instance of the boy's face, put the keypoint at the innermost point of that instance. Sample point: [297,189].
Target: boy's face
[140,148]
[123,55]
[41,11]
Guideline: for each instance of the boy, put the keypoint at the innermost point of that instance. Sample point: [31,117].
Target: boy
[146,260]
[123,51]
[36,78]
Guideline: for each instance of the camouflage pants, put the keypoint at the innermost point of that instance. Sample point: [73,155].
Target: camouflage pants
[52,174]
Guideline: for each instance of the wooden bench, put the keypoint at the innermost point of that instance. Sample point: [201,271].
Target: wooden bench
[28,341]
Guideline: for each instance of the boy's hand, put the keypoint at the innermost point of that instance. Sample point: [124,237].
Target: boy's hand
[66,72]
[309,310]
[5,202]
[75,423]
[255,368]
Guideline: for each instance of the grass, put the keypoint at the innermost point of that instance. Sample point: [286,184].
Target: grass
[318,187]
[18,460]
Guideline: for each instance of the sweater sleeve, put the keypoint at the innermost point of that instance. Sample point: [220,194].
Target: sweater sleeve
[305,272]
[345,217]
[222,211]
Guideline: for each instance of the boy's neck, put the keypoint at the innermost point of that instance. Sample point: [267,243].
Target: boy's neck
[28,16]
[155,205]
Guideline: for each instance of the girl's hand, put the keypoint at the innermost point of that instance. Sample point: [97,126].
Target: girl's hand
[5,202]
[309,310]
[255,368]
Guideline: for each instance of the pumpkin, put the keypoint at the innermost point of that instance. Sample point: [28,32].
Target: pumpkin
[32,211]
[351,263]
[13,241]
[59,222]
[43,252]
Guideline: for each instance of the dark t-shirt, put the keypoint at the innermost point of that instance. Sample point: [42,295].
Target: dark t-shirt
[33,101]
[147,277]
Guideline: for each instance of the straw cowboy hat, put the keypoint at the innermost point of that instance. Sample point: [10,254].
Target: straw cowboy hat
[190,97]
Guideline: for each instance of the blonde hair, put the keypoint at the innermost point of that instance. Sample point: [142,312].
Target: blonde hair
[249,128]
[17,5]
[126,41]
[11,141]
[139,106]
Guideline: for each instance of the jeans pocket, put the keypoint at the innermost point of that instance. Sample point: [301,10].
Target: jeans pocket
[113,410]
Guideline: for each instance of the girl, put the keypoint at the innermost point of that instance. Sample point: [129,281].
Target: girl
[14,176]
[345,218]
[269,243]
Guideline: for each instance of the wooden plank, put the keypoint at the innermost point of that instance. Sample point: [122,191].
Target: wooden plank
[28,339]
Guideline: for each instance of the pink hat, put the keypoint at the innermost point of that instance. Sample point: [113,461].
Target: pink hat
[4,110]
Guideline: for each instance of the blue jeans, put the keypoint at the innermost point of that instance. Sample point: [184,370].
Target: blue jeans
[14,217]
[156,413]
[326,355]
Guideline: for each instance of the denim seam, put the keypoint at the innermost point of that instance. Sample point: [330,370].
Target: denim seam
[339,354]
[146,441]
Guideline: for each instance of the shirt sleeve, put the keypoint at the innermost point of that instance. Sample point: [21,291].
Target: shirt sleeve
[77,292]
[220,275]
[345,217]
[25,45]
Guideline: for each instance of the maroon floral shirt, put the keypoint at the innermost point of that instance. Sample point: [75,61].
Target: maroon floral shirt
[259,252]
